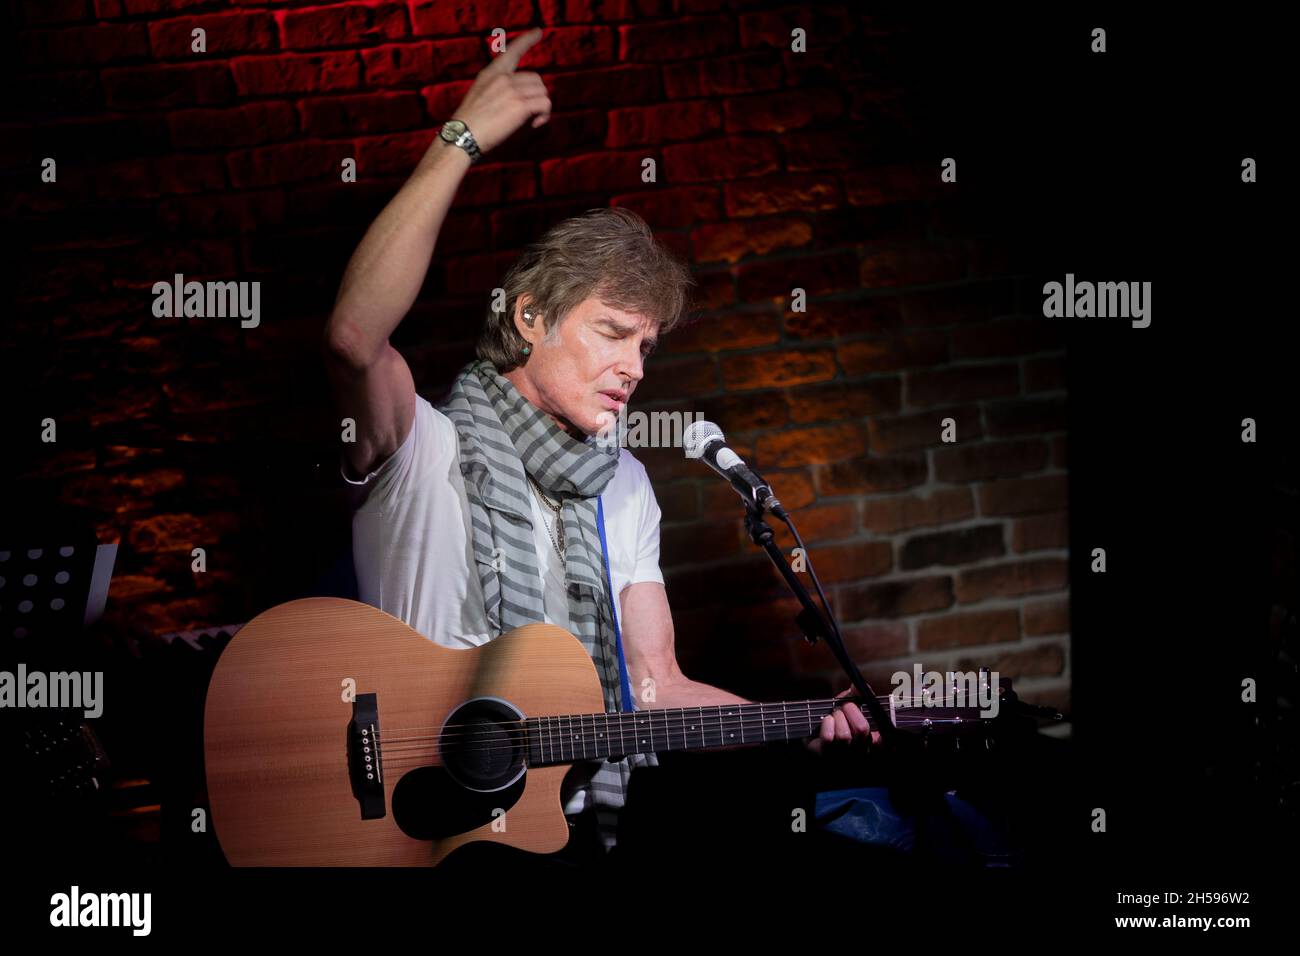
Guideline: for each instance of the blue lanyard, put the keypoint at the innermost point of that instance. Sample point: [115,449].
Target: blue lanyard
[624,683]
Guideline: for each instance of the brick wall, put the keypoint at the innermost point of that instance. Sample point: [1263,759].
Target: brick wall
[777,170]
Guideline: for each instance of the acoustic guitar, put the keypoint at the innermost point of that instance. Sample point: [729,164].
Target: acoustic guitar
[336,735]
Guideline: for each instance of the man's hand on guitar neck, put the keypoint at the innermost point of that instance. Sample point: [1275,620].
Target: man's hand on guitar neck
[843,726]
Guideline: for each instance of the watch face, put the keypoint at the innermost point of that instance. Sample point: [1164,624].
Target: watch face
[451,129]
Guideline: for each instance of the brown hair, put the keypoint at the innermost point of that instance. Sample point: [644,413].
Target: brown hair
[609,253]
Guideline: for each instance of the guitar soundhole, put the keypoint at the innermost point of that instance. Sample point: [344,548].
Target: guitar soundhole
[483,744]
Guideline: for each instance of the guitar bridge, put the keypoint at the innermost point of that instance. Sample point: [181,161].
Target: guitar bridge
[365,759]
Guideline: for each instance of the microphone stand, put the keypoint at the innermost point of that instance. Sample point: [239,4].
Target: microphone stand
[812,622]
[914,787]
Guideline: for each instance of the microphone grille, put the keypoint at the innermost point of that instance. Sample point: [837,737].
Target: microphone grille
[697,435]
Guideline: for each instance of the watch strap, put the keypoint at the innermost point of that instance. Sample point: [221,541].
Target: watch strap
[465,141]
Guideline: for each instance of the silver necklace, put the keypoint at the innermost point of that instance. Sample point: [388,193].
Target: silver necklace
[556,530]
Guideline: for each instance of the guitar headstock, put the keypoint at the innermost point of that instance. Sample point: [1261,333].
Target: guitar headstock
[957,708]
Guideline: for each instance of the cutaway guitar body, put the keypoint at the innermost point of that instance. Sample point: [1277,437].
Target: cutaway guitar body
[336,735]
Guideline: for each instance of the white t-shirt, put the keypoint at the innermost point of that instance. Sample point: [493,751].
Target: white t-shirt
[413,552]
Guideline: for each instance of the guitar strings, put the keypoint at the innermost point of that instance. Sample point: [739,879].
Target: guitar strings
[671,714]
[537,730]
[515,729]
[397,756]
[480,730]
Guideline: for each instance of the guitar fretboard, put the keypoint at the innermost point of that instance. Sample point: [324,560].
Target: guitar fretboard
[572,737]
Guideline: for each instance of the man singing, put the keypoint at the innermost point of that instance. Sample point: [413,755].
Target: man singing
[483,514]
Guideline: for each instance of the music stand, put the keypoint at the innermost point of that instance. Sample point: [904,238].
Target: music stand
[52,584]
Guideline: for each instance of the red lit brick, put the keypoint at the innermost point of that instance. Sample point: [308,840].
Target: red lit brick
[922,430]
[810,445]
[777,279]
[894,598]
[868,474]
[1023,495]
[593,172]
[776,369]
[364,113]
[248,125]
[1011,579]
[889,515]
[662,123]
[865,356]
[778,112]
[841,400]
[733,241]
[802,192]
[715,159]
[287,162]
[835,318]
[225,33]
[348,24]
[162,86]
[610,86]
[961,384]
[970,461]
[84,46]
[297,73]
[438,17]
[680,38]
[970,627]
[673,208]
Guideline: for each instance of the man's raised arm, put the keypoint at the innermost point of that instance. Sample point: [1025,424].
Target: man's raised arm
[371,381]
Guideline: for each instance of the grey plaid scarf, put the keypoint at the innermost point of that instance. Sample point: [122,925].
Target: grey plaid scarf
[502,435]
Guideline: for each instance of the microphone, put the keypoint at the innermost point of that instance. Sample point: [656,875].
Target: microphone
[704,440]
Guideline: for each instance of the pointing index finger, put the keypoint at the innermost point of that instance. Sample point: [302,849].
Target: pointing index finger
[516,48]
